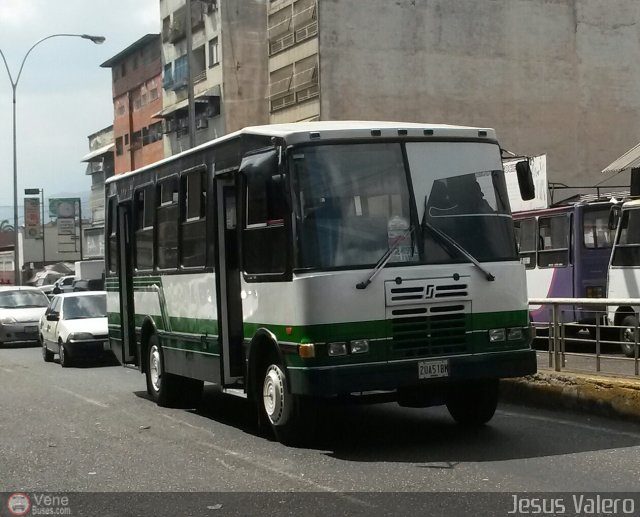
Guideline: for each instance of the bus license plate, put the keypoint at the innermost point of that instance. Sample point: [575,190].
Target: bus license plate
[433,369]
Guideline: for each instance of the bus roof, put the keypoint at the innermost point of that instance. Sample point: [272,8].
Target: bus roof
[300,132]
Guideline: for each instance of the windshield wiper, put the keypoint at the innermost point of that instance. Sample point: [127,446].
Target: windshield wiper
[384,259]
[449,240]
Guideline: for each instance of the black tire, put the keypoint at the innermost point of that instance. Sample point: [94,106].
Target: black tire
[473,403]
[47,354]
[162,387]
[65,360]
[280,408]
[627,338]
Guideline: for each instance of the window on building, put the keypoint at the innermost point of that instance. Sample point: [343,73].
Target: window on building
[123,69]
[199,64]
[166,26]
[119,147]
[167,77]
[214,57]
[126,139]
[136,140]
[180,70]
[135,62]
[145,136]
[155,132]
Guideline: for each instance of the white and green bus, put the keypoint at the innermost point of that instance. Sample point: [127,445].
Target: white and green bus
[311,260]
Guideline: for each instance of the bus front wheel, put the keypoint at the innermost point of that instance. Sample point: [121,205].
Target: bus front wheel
[279,405]
[473,403]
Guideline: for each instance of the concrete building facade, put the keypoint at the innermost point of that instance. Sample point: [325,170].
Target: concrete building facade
[551,76]
[137,97]
[229,68]
[100,167]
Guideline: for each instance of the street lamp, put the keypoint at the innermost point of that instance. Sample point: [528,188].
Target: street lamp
[35,192]
[14,85]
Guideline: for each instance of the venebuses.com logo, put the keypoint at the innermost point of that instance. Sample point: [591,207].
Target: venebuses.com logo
[18,504]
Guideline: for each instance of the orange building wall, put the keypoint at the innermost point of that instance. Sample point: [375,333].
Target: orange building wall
[128,120]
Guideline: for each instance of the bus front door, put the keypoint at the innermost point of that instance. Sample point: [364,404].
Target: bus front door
[228,278]
[128,354]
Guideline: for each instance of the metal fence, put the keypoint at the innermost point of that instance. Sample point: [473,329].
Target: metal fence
[595,336]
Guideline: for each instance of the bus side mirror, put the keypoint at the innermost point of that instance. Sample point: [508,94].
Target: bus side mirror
[614,217]
[525,180]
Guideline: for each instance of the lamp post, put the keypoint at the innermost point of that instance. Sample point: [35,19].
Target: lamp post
[35,192]
[14,85]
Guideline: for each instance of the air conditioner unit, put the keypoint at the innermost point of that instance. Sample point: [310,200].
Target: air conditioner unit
[202,123]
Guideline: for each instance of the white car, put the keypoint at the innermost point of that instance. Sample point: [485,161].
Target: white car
[20,311]
[75,326]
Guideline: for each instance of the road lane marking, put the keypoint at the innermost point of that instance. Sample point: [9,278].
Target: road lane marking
[589,427]
[4,369]
[275,470]
[82,397]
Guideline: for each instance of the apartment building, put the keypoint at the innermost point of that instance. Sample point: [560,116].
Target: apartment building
[293,49]
[560,83]
[229,68]
[100,167]
[137,98]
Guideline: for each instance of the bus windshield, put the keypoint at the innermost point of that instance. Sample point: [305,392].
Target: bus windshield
[352,202]
[473,210]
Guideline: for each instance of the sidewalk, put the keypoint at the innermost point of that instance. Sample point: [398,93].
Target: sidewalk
[605,395]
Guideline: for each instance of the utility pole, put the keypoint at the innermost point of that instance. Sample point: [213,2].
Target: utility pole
[191,107]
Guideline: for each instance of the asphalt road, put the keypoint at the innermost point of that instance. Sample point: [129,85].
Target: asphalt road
[93,429]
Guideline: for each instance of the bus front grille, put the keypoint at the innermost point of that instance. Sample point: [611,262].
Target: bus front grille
[429,331]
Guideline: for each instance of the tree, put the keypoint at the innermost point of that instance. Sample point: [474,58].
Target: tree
[5,226]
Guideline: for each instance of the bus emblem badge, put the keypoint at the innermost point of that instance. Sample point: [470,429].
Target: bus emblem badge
[430,291]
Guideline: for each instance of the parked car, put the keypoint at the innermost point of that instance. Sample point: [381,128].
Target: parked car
[75,326]
[63,284]
[20,311]
[94,284]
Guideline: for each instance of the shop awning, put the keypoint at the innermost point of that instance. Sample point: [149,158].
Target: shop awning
[629,160]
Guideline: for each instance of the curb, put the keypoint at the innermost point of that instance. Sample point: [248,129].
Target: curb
[605,396]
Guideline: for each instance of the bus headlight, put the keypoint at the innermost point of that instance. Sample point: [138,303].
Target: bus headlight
[515,334]
[359,346]
[335,349]
[496,335]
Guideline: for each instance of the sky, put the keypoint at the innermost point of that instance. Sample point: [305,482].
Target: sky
[63,94]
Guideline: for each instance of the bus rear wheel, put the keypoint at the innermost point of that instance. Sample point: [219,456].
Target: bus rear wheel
[627,335]
[473,403]
[166,389]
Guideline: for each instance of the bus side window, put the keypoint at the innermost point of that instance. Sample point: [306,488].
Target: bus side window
[526,240]
[112,225]
[553,235]
[193,240]
[264,243]
[144,225]
[167,223]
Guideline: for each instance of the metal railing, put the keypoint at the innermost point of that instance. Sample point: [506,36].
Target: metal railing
[602,331]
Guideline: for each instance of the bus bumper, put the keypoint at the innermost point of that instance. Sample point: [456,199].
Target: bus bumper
[331,381]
